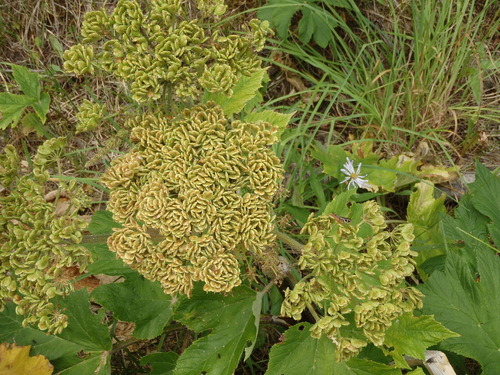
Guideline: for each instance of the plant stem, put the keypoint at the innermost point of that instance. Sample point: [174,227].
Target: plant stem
[289,241]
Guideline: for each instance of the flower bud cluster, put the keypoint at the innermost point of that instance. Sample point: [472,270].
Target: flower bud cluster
[155,45]
[90,115]
[36,246]
[356,278]
[194,198]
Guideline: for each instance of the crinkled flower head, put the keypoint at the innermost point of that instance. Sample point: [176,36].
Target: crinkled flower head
[194,196]
[36,246]
[160,47]
[357,272]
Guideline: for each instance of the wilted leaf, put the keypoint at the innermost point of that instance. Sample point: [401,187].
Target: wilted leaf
[16,360]
[82,348]
[424,212]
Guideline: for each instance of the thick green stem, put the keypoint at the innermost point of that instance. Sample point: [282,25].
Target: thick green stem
[289,241]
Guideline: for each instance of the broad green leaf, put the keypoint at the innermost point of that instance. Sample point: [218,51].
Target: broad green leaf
[244,90]
[84,327]
[468,304]
[280,120]
[485,190]
[383,174]
[139,301]
[232,321]
[307,26]
[280,13]
[477,209]
[301,354]
[84,334]
[468,230]
[299,213]
[339,204]
[322,26]
[256,310]
[41,107]
[410,335]
[12,107]
[102,223]
[162,363]
[104,260]
[28,81]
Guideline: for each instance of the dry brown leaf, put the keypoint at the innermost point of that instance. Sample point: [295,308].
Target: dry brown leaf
[16,360]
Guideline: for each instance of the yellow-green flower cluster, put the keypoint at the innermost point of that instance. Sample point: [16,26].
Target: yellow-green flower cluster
[194,197]
[90,116]
[356,279]
[36,245]
[156,46]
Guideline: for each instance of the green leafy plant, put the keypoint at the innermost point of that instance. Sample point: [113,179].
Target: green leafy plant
[315,23]
[389,80]
[461,290]
[382,174]
[356,277]
[13,106]
[191,225]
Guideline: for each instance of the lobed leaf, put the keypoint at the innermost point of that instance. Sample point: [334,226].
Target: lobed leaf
[485,189]
[412,336]
[244,90]
[82,348]
[280,120]
[41,106]
[28,81]
[233,322]
[162,363]
[301,354]
[468,304]
[137,300]
[279,13]
[12,107]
